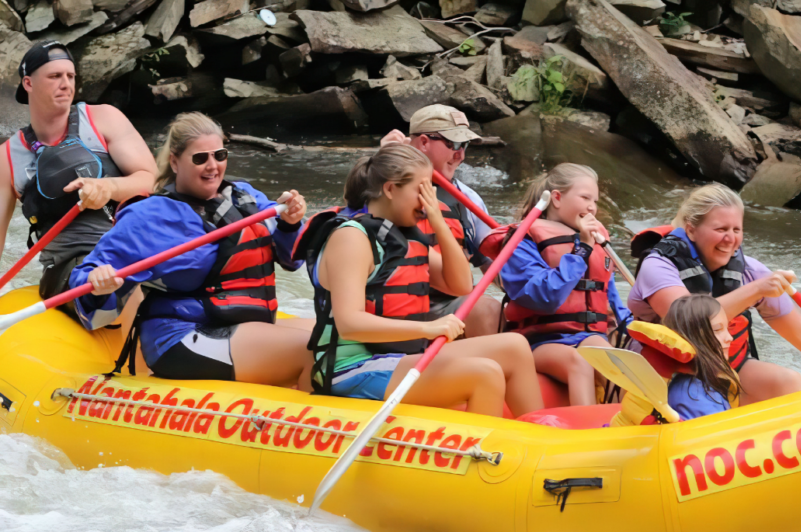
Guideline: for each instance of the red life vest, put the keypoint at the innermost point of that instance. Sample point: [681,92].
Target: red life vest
[398,288]
[585,309]
[240,286]
[673,245]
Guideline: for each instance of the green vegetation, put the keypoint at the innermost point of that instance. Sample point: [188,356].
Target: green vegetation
[153,57]
[544,82]
[468,47]
[673,24]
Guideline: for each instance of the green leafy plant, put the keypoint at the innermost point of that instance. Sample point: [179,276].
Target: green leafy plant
[468,47]
[151,58]
[552,85]
[673,24]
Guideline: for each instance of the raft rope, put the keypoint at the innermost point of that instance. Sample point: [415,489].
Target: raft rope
[475,452]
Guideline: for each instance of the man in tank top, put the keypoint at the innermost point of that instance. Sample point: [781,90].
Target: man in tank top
[68,152]
[442,133]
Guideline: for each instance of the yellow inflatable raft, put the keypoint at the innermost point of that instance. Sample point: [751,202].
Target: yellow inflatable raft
[737,470]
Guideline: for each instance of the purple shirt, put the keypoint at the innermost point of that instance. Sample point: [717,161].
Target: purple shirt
[658,272]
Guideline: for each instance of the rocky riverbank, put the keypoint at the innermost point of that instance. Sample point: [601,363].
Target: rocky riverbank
[710,86]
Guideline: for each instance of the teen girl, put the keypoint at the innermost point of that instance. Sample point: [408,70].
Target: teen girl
[372,274]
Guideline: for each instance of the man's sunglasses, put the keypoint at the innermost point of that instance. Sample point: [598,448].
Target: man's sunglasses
[203,156]
[455,146]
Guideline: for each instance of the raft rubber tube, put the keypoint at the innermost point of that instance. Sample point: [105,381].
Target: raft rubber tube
[736,470]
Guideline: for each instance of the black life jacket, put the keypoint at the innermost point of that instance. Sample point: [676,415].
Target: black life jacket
[240,286]
[456,216]
[44,201]
[679,250]
[398,288]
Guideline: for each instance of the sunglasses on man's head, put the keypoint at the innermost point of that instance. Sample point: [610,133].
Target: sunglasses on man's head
[455,146]
[203,156]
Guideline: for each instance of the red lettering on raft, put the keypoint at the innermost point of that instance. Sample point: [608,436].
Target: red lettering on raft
[680,464]
[226,432]
[329,438]
[728,466]
[299,442]
[742,463]
[280,440]
[169,400]
[783,460]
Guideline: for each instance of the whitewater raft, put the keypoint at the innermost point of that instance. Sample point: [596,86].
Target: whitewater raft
[737,470]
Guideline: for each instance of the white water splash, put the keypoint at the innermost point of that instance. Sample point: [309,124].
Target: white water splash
[41,490]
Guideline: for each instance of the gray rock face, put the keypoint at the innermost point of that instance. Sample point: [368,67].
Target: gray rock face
[392,31]
[13,46]
[394,69]
[294,60]
[350,73]
[477,72]
[792,7]
[110,5]
[409,96]
[246,26]
[449,37]
[769,104]
[495,66]
[584,75]
[70,35]
[774,184]
[527,42]
[107,57]
[164,20]
[71,12]
[170,89]
[122,18]
[544,12]
[211,10]
[477,101]
[189,47]
[705,56]
[9,17]
[492,14]
[39,16]
[368,5]
[450,8]
[287,28]
[640,11]
[236,88]
[677,101]
[774,41]
[333,106]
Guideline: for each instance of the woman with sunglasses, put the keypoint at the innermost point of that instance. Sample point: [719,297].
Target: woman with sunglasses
[209,313]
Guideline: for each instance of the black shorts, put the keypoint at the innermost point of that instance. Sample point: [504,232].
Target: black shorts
[204,354]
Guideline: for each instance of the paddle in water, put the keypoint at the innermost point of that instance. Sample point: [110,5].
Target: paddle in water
[10,319]
[343,463]
[41,243]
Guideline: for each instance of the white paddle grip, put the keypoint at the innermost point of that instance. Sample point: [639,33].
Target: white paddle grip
[545,199]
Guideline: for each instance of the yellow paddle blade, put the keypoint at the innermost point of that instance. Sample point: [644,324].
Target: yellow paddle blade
[633,373]
[284,316]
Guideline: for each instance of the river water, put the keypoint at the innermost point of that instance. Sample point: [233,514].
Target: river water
[39,488]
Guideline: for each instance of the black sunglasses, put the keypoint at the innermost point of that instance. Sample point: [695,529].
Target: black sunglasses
[455,146]
[203,156]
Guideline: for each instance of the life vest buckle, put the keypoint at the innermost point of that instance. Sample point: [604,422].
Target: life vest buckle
[588,285]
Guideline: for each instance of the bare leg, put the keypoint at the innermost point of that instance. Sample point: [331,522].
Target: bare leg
[508,351]
[564,363]
[483,319]
[268,354]
[304,324]
[763,380]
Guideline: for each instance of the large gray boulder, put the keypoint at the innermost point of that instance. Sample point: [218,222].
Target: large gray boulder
[583,75]
[677,101]
[368,5]
[409,96]
[71,12]
[121,19]
[164,20]
[392,31]
[211,10]
[774,184]
[332,108]
[39,16]
[108,57]
[544,12]
[186,48]
[69,35]
[774,41]
[449,8]
[13,45]
[705,56]
[9,17]
[449,37]
[477,101]
[640,11]
[247,26]
[237,88]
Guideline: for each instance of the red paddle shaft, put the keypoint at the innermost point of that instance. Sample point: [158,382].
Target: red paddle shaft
[795,295]
[489,276]
[45,240]
[441,181]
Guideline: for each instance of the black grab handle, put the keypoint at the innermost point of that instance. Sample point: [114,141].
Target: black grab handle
[561,488]
[5,402]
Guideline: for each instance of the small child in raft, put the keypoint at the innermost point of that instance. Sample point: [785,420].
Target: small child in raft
[560,282]
[701,321]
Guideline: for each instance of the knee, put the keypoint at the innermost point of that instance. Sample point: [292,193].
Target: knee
[789,381]
[576,365]
[489,375]
[515,346]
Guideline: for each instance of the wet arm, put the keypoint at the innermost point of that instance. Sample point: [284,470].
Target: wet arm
[344,269]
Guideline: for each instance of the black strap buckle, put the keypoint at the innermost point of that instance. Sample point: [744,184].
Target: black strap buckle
[5,402]
[561,488]
[588,285]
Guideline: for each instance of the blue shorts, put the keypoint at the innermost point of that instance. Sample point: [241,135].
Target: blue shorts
[571,339]
[368,379]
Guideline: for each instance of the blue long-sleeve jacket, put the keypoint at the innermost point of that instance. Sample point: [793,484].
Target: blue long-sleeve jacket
[146,228]
[530,282]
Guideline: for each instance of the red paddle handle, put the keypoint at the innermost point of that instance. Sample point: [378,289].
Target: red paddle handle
[45,240]
[488,277]
[166,255]
[441,181]
[795,294]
